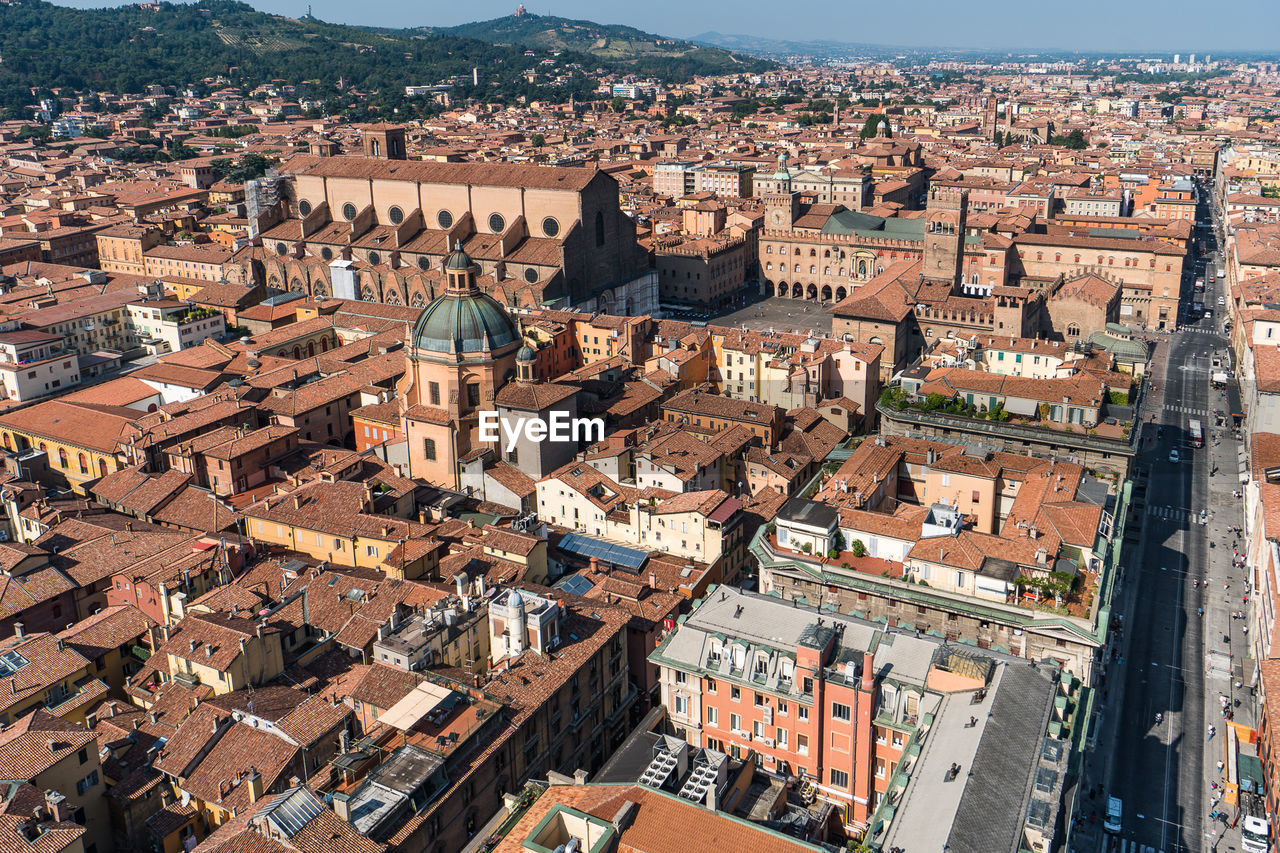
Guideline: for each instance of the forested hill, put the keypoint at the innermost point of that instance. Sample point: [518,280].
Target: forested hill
[613,44]
[125,48]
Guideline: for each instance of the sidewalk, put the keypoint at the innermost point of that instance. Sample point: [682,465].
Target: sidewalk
[1227,659]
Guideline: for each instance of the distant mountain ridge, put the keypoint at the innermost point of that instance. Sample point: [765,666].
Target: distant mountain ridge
[614,44]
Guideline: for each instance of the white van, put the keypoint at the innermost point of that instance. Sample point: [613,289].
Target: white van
[1115,815]
[1254,835]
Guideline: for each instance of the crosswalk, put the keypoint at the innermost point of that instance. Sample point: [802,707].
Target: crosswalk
[1169,513]
[1187,410]
[1128,845]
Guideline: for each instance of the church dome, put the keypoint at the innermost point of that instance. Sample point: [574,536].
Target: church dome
[464,322]
[458,259]
[526,354]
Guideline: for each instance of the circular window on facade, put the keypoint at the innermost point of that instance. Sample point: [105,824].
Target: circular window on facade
[349,211]
[375,258]
[550,227]
[530,275]
[496,223]
[424,263]
[281,249]
[444,219]
[304,207]
[396,215]
[326,253]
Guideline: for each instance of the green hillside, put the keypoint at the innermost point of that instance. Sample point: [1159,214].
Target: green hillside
[614,45]
[126,48]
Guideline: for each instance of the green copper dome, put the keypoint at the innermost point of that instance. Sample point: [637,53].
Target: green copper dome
[457,323]
[458,259]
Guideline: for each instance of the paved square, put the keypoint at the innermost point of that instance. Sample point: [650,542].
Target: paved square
[779,314]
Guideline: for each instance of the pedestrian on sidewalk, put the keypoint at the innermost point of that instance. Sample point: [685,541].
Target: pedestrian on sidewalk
[1212,731]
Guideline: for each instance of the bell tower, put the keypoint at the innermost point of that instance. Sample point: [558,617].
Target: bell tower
[944,234]
[383,141]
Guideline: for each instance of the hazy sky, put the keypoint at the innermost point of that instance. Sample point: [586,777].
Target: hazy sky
[1140,26]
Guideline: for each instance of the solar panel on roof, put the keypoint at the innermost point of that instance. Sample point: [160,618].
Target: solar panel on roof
[607,552]
[575,585]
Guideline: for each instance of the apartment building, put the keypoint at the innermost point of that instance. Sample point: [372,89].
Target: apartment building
[702,526]
[1009,546]
[704,413]
[34,364]
[337,522]
[167,325]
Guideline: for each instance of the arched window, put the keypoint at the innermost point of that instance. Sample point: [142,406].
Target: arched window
[1073,331]
[768,250]
[102,467]
[599,228]
[8,442]
[84,463]
[297,352]
[62,458]
[311,348]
